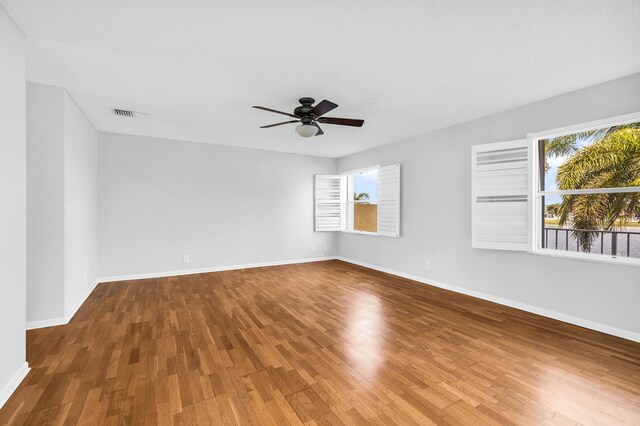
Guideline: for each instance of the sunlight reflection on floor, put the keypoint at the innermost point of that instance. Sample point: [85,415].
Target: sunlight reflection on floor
[365,332]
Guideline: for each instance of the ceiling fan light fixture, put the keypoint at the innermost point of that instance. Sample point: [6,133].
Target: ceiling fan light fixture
[309,116]
[306,130]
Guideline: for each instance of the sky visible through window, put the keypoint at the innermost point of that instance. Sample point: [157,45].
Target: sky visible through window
[366,181]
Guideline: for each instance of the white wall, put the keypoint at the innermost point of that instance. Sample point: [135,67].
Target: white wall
[81,205]
[13,215]
[62,222]
[436,191]
[161,199]
[45,202]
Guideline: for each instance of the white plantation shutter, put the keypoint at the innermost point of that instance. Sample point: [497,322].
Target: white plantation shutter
[328,205]
[500,195]
[389,200]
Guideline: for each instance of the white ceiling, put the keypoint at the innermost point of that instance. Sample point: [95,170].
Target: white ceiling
[406,67]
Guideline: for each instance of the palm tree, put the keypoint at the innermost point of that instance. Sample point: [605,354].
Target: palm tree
[553,209]
[611,160]
[363,196]
[562,146]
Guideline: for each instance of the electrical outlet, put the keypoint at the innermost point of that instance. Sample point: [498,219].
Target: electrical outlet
[185,259]
[313,248]
[324,248]
[427,266]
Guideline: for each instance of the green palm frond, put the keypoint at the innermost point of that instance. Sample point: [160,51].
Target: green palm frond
[560,146]
[619,151]
[363,196]
[612,160]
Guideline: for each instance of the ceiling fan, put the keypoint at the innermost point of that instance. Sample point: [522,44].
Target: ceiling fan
[309,116]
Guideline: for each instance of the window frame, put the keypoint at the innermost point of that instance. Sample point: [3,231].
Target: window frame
[349,194]
[536,193]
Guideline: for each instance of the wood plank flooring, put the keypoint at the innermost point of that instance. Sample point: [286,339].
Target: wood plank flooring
[324,343]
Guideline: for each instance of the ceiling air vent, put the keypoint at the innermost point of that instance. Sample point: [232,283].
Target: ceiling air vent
[124,113]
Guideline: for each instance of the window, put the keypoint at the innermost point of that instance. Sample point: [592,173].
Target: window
[361,200]
[568,192]
[365,201]
[588,191]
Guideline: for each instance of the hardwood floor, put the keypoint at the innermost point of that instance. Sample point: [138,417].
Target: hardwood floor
[318,343]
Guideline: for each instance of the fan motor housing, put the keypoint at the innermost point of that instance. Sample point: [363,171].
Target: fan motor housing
[306,106]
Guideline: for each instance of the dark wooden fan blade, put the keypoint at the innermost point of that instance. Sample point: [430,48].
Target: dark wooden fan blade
[320,132]
[279,124]
[342,121]
[323,107]
[276,111]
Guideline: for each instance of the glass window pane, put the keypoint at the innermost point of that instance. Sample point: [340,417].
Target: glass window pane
[606,224]
[602,158]
[365,217]
[365,185]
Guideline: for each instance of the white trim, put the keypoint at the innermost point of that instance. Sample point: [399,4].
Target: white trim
[52,322]
[164,274]
[592,325]
[623,189]
[533,225]
[13,384]
[364,169]
[589,125]
[373,234]
[589,257]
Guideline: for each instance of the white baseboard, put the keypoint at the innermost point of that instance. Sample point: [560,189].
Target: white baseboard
[52,322]
[13,384]
[603,328]
[211,269]
[592,325]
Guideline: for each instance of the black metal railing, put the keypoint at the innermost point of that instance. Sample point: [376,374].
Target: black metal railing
[615,239]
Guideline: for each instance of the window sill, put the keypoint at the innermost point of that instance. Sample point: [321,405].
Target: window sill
[586,257]
[373,234]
